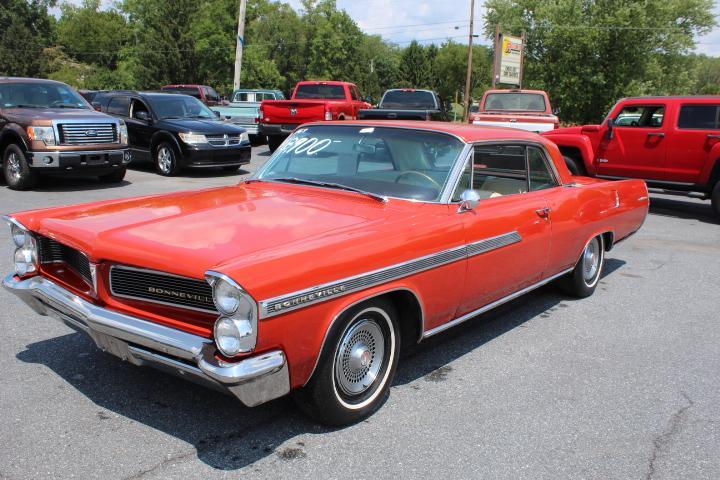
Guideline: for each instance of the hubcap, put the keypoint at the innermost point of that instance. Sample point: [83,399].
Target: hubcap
[360,357]
[14,166]
[164,159]
[591,260]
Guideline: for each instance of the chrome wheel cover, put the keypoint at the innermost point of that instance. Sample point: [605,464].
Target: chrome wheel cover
[359,357]
[592,256]
[14,168]
[165,159]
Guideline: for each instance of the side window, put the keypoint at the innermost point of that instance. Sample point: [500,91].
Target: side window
[499,170]
[540,177]
[119,106]
[354,93]
[138,106]
[699,117]
[640,116]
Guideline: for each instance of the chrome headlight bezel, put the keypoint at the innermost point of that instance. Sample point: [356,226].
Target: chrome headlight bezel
[42,134]
[123,134]
[244,137]
[25,256]
[236,329]
[193,138]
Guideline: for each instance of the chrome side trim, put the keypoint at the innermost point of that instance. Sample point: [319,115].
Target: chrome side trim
[496,303]
[319,293]
[648,180]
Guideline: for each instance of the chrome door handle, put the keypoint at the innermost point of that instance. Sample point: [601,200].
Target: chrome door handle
[713,136]
[656,134]
[543,212]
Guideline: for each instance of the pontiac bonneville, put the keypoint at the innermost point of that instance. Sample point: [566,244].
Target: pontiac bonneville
[354,241]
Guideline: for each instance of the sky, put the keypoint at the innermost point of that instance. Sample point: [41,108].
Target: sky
[433,21]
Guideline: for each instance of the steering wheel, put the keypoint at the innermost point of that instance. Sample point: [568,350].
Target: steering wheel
[421,175]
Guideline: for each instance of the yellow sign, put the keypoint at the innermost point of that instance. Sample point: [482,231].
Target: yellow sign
[510,60]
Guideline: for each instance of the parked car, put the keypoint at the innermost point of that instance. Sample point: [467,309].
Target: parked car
[354,241]
[673,143]
[177,131]
[204,93]
[407,104]
[244,110]
[310,101]
[90,95]
[524,109]
[47,128]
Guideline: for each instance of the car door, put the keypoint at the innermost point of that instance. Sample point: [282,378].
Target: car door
[508,234]
[637,145]
[140,130]
[696,134]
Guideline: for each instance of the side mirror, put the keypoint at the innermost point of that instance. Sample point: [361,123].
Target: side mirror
[96,106]
[469,200]
[142,115]
[556,111]
[217,114]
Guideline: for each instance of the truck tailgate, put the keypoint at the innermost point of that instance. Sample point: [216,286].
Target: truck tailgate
[293,111]
[533,123]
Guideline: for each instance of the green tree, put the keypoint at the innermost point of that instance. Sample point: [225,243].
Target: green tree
[707,75]
[589,53]
[25,29]
[415,67]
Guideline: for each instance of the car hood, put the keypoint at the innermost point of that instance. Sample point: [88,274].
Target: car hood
[189,233]
[44,115]
[565,130]
[199,126]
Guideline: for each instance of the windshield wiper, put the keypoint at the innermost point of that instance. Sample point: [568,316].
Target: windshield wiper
[339,186]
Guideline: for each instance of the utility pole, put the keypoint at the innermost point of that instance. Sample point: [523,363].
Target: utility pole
[468,78]
[239,45]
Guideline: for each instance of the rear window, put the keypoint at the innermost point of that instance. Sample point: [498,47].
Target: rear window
[408,99]
[698,117]
[329,92]
[119,106]
[515,101]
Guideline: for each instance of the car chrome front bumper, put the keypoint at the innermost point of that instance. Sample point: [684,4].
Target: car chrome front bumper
[254,380]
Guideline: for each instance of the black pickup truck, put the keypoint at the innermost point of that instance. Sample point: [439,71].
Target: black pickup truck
[407,104]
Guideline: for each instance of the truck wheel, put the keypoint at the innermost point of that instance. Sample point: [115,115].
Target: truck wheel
[716,198]
[583,280]
[573,166]
[257,140]
[166,162]
[274,141]
[116,176]
[18,174]
[356,366]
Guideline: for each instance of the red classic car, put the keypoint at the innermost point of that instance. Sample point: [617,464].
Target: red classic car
[355,240]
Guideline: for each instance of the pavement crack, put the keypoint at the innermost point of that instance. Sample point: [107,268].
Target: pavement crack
[664,438]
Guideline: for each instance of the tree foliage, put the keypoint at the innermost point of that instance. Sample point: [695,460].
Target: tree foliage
[589,53]
[25,29]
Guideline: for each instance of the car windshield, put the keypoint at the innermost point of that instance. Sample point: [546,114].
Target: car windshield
[413,100]
[392,162]
[40,95]
[331,92]
[522,102]
[179,106]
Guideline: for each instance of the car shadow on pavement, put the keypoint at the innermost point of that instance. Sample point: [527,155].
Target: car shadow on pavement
[72,184]
[148,167]
[685,209]
[219,430]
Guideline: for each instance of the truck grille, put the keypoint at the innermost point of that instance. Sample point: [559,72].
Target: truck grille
[52,251]
[223,140]
[87,133]
[163,288]
[243,120]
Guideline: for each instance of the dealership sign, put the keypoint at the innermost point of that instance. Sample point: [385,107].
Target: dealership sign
[508,59]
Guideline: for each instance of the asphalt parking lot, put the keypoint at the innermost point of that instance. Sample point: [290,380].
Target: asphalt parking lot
[624,384]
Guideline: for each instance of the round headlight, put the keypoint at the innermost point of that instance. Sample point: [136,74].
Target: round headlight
[227,297]
[232,335]
[18,235]
[25,260]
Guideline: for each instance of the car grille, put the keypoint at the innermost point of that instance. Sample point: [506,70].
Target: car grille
[223,140]
[52,251]
[87,133]
[243,120]
[163,288]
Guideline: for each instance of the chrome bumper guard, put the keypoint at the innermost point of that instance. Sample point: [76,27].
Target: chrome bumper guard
[253,381]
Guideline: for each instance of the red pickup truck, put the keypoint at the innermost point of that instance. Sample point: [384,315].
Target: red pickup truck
[673,143]
[310,101]
[523,109]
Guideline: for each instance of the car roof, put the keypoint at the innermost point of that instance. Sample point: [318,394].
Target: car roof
[673,97]
[514,90]
[28,80]
[324,82]
[465,131]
